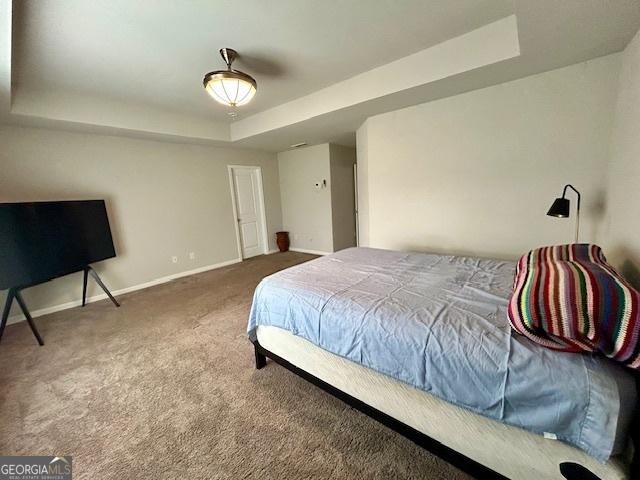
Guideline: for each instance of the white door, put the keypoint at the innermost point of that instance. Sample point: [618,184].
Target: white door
[247,189]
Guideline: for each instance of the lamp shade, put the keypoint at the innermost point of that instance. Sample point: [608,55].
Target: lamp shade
[559,208]
[230,87]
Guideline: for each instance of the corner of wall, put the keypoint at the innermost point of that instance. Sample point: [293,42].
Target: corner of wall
[621,223]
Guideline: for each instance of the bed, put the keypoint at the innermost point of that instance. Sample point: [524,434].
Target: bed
[422,343]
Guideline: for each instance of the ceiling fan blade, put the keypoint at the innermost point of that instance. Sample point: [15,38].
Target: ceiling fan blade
[260,65]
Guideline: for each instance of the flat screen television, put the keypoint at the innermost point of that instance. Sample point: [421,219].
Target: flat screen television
[40,241]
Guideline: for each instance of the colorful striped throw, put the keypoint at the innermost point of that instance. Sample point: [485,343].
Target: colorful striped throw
[569,298]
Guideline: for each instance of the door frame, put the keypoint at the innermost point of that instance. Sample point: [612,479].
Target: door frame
[355,203]
[261,207]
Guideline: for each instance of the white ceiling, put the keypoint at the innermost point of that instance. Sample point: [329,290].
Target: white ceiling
[157,52]
[135,67]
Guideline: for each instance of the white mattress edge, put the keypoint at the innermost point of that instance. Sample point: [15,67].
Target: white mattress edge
[509,450]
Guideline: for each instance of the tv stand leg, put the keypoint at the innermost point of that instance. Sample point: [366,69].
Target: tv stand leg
[14,293]
[6,310]
[90,271]
[84,286]
[27,315]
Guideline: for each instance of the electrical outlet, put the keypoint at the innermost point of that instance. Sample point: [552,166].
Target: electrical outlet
[174,259]
[320,185]
[192,255]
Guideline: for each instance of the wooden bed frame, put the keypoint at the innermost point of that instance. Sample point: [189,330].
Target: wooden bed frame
[570,471]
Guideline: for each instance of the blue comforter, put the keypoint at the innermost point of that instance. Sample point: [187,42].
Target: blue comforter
[439,323]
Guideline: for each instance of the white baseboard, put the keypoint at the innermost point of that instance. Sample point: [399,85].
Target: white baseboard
[272,251]
[312,252]
[102,296]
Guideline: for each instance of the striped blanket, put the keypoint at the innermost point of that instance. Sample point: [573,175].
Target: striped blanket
[569,298]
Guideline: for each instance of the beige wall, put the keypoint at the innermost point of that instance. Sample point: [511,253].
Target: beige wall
[622,239]
[306,211]
[342,160]
[476,173]
[164,199]
[362,183]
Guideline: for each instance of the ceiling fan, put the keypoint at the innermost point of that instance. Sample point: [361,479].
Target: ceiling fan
[230,87]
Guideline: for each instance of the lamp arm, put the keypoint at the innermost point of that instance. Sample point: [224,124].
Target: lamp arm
[564,192]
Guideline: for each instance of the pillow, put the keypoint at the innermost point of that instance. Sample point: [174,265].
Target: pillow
[569,298]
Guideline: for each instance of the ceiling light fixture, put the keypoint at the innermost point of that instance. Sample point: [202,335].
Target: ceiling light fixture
[230,87]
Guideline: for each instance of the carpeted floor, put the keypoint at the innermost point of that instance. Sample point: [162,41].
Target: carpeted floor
[165,387]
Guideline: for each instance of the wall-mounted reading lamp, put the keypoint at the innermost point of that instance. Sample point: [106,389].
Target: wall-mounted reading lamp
[561,208]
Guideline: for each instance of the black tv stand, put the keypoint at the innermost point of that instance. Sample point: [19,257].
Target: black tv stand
[14,293]
[90,271]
